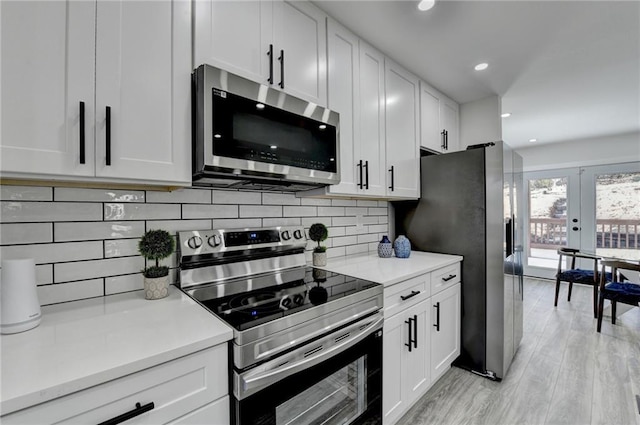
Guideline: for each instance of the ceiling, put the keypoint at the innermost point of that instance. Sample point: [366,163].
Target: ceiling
[566,70]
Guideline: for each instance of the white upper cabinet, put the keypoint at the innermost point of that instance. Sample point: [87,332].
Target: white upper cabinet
[47,71]
[402,132]
[143,77]
[438,121]
[277,43]
[64,58]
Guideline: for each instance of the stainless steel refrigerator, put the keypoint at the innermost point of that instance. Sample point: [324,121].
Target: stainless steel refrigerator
[471,205]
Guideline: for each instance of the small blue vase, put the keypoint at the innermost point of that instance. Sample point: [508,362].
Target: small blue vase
[385,249]
[402,247]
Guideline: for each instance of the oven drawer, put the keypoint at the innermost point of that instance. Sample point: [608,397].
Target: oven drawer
[444,278]
[405,294]
[175,388]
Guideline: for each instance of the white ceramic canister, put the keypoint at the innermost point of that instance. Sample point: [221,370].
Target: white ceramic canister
[19,306]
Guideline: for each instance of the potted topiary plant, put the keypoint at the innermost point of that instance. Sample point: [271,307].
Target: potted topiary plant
[318,232]
[156,245]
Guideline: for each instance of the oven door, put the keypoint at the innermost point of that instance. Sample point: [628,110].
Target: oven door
[334,380]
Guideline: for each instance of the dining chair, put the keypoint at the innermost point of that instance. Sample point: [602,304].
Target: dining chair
[620,289]
[577,275]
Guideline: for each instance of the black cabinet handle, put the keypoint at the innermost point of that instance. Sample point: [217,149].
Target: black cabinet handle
[412,294]
[108,135]
[409,344]
[270,54]
[392,172]
[359,165]
[281,59]
[139,410]
[366,174]
[82,145]
[446,140]
[415,331]
[448,278]
[437,325]
[442,138]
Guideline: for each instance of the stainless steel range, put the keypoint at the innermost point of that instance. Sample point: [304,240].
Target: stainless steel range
[307,344]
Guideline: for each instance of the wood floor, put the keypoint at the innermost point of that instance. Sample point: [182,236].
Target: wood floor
[563,373]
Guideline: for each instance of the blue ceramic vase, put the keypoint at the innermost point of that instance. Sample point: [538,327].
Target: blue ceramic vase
[385,249]
[402,247]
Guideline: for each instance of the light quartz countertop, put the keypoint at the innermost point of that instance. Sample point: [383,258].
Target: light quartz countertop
[389,270]
[85,343]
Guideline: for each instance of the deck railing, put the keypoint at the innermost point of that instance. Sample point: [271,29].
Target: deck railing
[610,233]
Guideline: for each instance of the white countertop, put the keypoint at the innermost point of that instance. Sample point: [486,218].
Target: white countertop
[389,270]
[85,343]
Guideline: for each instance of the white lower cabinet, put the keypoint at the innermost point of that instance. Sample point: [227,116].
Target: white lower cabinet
[190,389]
[421,337]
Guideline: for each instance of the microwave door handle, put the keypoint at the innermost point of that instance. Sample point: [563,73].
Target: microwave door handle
[281,59]
[270,54]
[251,383]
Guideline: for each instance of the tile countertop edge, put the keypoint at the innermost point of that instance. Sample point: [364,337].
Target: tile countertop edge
[389,271]
[46,392]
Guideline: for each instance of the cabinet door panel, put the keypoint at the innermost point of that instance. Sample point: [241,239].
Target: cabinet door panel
[234,36]
[449,111]
[417,368]
[394,338]
[402,131]
[343,93]
[300,30]
[430,137]
[47,70]
[372,124]
[445,342]
[143,76]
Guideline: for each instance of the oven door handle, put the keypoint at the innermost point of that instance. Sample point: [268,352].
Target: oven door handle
[256,379]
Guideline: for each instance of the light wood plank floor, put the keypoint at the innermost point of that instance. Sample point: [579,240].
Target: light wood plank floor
[563,373]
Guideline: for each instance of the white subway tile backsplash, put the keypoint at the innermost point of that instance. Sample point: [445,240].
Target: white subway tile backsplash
[97,195]
[279,199]
[181,196]
[85,240]
[209,211]
[331,211]
[53,294]
[65,232]
[174,226]
[81,270]
[121,211]
[367,203]
[236,223]
[34,212]
[235,197]
[120,248]
[290,221]
[315,201]
[343,202]
[261,211]
[54,253]
[23,233]
[308,211]
[377,211]
[126,283]
[26,193]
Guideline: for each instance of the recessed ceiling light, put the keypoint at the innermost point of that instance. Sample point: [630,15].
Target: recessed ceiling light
[273,147]
[425,5]
[322,126]
[260,105]
[217,136]
[506,115]
[481,66]
[533,140]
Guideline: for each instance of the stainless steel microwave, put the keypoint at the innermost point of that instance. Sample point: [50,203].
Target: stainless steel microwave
[250,136]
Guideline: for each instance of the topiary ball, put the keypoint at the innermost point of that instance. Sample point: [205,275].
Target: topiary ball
[318,232]
[156,244]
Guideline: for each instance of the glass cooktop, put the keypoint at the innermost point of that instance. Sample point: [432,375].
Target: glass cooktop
[248,302]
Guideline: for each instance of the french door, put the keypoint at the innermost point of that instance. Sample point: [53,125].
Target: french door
[595,209]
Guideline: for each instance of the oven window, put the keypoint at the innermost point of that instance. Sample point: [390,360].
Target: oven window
[338,399]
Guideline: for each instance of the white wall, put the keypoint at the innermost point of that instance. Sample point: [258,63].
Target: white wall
[480,121]
[594,151]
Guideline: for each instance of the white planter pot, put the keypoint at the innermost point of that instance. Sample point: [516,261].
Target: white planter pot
[156,288]
[320,259]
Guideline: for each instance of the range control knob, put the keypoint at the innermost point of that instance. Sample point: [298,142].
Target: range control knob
[214,241]
[297,234]
[285,235]
[194,242]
